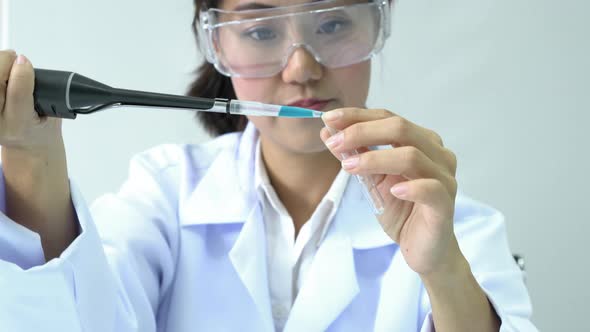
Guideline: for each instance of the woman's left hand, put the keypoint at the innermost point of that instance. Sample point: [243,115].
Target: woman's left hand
[416,179]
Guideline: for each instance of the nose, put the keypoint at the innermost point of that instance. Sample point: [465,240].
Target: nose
[302,67]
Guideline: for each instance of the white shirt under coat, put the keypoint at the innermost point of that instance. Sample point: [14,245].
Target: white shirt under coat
[288,257]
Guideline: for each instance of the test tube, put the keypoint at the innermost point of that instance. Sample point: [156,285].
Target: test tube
[369,188]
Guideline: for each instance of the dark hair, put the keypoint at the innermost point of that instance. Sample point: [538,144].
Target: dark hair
[211,84]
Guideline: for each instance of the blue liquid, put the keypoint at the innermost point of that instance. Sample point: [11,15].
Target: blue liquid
[298,112]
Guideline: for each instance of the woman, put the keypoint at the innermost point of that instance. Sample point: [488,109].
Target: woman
[260,229]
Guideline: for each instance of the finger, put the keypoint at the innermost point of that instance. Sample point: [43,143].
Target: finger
[6,60]
[19,93]
[325,135]
[430,192]
[394,131]
[343,117]
[407,161]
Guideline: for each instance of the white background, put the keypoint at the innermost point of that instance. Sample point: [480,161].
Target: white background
[504,82]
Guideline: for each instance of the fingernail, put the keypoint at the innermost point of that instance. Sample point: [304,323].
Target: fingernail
[350,162]
[332,115]
[335,140]
[399,190]
[21,60]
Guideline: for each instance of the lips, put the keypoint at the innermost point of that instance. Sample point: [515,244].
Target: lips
[311,103]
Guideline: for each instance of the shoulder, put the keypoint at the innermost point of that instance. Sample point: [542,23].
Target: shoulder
[473,215]
[193,157]
[481,232]
[176,169]
[167,173]
[467,208]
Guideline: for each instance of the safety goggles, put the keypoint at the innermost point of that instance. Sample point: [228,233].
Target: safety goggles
[259,42]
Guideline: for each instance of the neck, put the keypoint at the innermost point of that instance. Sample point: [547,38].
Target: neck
[300,180]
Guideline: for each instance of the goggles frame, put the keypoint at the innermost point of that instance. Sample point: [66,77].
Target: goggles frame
[207,25]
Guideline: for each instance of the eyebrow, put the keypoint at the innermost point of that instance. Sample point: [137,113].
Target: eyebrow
[258,5]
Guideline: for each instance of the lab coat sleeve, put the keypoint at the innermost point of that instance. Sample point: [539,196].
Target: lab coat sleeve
[113,274]
[482,238]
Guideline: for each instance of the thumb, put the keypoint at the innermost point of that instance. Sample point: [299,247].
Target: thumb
[19,93]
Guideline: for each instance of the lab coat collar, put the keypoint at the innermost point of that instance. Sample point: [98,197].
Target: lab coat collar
[248,256]
[227,194]
[332,281]
[224,194]
[328,289]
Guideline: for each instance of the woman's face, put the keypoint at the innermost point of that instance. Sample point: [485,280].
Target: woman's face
[306,82]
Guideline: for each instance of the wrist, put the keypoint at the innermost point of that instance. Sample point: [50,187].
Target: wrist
[33,168]
[32,158]
[458,301]
[452,272]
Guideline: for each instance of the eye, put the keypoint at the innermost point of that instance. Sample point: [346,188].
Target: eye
[333,26]
[260,33]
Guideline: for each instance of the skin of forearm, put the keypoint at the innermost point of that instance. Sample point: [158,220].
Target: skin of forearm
[458,302]
[38,196]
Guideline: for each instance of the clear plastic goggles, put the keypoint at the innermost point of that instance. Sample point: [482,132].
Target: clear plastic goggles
[259,42]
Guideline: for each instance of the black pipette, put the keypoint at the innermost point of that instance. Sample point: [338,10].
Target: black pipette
[66,94]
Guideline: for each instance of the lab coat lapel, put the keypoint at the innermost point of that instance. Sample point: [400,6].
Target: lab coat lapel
[400,296]
[332,282]
[328,289]
[248,256]
[226,195]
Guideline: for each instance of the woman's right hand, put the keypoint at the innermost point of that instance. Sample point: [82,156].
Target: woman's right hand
[37,187]
[20,126]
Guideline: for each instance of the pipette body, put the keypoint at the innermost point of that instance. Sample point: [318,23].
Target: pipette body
[66,94]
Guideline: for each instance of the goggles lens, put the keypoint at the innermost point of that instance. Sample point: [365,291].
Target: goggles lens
[258,43]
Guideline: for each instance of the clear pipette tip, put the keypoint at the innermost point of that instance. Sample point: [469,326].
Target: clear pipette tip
[261,109]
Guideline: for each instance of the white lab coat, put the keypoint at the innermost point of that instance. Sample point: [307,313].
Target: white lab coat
[182,248]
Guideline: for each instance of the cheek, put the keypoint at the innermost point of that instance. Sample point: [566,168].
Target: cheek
[264,124]
[299,136]
[254,89]
[353,83]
